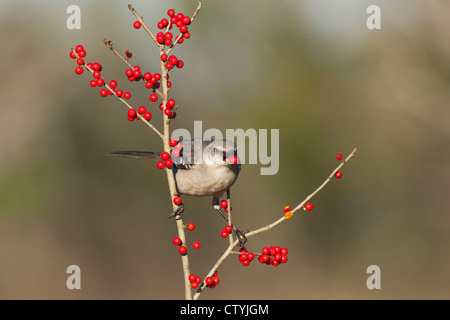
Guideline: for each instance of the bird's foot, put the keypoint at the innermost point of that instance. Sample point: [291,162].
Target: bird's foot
[178,213]
[240,235]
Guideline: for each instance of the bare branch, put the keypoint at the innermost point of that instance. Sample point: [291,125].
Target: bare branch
[144,25]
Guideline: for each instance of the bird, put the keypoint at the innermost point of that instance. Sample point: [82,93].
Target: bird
[201,167]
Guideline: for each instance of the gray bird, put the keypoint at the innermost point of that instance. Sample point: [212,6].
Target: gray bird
[201,168]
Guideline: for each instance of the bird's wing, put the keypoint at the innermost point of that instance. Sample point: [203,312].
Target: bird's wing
[137,154]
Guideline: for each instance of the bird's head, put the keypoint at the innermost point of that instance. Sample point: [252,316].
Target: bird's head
[222,153]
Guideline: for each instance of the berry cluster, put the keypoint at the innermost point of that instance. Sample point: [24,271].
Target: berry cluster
[210,282]
[245,257]
[273,255]
[179,20]
[226,231]
[79,53]
[165,162]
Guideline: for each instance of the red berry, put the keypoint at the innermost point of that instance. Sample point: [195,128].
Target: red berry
[127,95]
[233,159]
[97,66]
[251,256]
[153,97]
[130,118]
[198,280]
[287,208]
[308,206]
[160,25]
[176,153]
[149,84]
[183,28]
[190,226]
[168,42]
[169,65]
[96,74]
[160,39]
[167,112]
[265,251]
[147,116]
[129,73]
[100,82]
[186,35]
[170,103]
[168,35]
[194,285]
[176,241]
[182,250]
[224,234]
[173,142]
[338,174]
[283,258]
[137,73]
[119,93]
[93,83]
[180,64]
[82,54]
[192,277]
[243,257]
[164,57]
[264,258]
[180,16]
[136,24]
[173,60]
[275,263]
[339,157]
[165,155]
[196,245]
[224,204]
[80,62]
[186,20]
[181,39]
[216,280]
[168,163]
[277,257]
[228,229]
[165,22]
[161,164]
[284,251]
[209,281]
[245,263]
[113,84]
[177,200]
[142,110]
[79,48]
[72,55]
[157,76]
[147,76]
[78,70]
[128,54]
[171,12]
[104,92]
[132,113]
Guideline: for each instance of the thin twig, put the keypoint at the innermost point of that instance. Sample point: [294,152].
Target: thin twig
[229,249]
[126,103]
[144,25]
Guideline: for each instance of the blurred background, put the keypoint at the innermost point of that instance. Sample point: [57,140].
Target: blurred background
[310,68]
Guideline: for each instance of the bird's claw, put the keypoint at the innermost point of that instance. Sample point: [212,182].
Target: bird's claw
[178,213]
[240,236]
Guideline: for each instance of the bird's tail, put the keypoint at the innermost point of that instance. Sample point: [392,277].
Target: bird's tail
[137,154]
